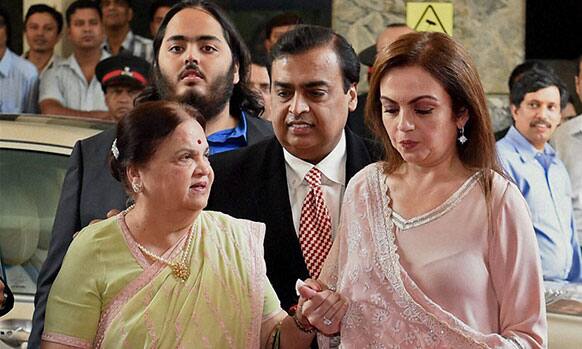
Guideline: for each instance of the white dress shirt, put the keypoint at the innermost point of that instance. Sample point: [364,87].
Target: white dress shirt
[568,143]
[333,182]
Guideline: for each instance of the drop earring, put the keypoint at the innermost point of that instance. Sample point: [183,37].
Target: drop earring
[462,139]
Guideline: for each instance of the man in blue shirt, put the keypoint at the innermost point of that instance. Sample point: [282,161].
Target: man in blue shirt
[542,178]
[18,77]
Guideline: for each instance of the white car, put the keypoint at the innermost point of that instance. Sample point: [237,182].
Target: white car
[34,152]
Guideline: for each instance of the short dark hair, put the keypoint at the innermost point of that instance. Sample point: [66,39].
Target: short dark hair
[287,18]
[520,69]
[306,37]
[243,97]
[42,8]
[5,16]
[534,80]
[81,4]
[260,59]
[140,133]
[160,3]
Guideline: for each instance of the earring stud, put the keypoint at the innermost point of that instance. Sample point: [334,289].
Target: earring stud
[136,187]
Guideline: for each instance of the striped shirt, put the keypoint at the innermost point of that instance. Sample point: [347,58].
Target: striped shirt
[18,84]
[65,83]
[136,45]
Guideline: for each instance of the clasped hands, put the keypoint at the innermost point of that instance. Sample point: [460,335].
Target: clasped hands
[320,307]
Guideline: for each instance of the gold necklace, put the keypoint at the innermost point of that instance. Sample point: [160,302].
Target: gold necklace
[180,268]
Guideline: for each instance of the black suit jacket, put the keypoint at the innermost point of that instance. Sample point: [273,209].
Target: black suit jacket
[258,130]
[89,192]
[251,183]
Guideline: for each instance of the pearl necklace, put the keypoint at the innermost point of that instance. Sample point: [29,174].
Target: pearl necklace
[180,268]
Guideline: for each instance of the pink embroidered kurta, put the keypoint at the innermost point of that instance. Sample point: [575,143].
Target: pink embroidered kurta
[445,279]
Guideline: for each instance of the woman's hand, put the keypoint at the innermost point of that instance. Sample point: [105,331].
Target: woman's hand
[321,307]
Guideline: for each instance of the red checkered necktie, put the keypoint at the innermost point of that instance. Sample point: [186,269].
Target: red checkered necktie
[314,225]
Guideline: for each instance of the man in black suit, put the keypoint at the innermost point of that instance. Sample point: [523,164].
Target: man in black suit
[314,76]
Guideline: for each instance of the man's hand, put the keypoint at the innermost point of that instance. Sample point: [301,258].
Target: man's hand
[110,214]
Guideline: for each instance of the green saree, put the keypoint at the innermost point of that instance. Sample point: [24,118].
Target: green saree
[108,295]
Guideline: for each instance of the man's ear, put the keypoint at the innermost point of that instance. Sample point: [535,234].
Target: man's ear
[236,75]
[353,97]
[514,111]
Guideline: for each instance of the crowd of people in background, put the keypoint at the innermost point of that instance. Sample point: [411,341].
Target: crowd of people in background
[391,189]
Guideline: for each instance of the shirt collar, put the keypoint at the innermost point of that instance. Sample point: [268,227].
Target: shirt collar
[333,166]
[125,45]
[240,131]
[71,62]
[5,62]
[525,149]
[53,60]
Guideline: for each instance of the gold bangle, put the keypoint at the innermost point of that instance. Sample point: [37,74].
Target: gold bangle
[302,327]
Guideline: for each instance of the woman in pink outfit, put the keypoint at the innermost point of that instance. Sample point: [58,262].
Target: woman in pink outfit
[436,248]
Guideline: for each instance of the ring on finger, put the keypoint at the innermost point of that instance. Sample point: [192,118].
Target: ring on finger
[327,322]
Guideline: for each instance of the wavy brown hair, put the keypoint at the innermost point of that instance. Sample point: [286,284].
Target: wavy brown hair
[448,62]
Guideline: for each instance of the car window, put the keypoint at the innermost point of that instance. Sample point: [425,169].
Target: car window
[30,186]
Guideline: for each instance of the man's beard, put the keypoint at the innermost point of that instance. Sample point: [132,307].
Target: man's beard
[209,105]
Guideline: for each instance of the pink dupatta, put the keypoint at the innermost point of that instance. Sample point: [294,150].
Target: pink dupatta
[388,309]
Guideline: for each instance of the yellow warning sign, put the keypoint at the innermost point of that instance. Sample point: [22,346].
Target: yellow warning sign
[430,17]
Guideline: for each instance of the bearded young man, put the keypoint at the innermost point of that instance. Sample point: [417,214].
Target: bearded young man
[201,60]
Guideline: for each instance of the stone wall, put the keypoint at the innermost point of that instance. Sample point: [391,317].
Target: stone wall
[492,31]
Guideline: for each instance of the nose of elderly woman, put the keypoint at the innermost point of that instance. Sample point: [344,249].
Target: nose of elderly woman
[203,167]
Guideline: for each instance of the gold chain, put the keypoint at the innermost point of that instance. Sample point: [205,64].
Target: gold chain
[180,269]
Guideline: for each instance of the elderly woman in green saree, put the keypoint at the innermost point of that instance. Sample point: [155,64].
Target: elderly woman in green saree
[166,274]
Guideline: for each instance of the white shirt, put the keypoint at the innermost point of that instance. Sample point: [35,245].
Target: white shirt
[568,143]
[18,84]
[55,59]
[333,182]
[65,83]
